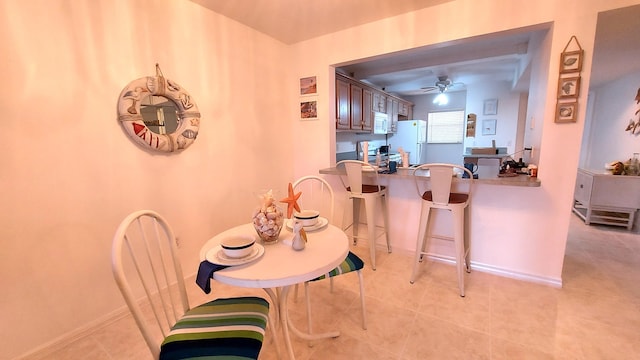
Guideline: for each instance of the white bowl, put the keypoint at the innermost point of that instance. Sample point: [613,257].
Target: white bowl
[307,217]
[237,246]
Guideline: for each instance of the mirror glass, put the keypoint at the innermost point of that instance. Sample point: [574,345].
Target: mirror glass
[159,114]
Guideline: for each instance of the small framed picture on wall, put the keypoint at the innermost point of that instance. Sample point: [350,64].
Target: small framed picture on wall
[308,86]
[490,107]
[566,111]
[489,127]
[569,88]
[571,61]
[309,110]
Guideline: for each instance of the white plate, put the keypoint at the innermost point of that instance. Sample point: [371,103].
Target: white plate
[217,256]
[322,222]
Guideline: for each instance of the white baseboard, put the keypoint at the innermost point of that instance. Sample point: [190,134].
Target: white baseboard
[490,269]
[47,349]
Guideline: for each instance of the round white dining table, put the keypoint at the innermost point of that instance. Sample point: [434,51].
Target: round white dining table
[281,266]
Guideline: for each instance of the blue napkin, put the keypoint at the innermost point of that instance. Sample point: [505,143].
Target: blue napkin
[205,273]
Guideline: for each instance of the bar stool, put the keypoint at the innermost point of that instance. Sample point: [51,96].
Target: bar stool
[370,194]
[439,196]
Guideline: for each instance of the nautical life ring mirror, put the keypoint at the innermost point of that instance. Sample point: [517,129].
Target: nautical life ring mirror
[159,114]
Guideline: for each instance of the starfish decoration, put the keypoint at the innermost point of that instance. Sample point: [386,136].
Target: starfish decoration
[292,201]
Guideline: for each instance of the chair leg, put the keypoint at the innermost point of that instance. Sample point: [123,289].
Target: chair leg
[427,233]
[467,249]
[364,312]
[458,234]
[356,220]
[420,241]
[385,217]
[371,226]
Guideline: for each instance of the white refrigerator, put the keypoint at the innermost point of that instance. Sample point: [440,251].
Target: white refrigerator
[410,136]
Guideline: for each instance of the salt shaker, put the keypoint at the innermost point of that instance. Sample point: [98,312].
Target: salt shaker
[299,236]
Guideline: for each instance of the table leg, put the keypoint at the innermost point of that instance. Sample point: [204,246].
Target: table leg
[274,324]
[284,318]
[287,324]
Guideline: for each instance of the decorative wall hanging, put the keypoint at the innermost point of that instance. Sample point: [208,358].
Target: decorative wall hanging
[566,111]
[569,88]
[159,114]
[471,125]
[490,107]
[308,98]
[309,110]
[634,126]
[569,82]
[489,127]
[308,86]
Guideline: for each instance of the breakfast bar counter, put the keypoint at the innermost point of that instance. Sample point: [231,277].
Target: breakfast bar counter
[505,232]
[406,173]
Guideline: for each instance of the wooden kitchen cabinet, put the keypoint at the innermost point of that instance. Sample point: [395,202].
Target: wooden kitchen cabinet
[606,199]
[392,113]
[356,107]
[350,110]
[403,108]
[367,112]
[379,102]
[343,104]
[356,103]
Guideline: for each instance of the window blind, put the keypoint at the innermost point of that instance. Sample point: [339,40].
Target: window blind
[445,127]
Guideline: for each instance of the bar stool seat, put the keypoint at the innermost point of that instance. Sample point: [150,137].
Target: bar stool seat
[439,177]
[371,194]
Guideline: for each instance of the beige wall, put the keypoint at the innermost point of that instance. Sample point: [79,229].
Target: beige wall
[69,174]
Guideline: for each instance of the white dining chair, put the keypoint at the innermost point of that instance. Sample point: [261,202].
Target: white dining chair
[147,271]
[317,194]
[433,184]
[372,194]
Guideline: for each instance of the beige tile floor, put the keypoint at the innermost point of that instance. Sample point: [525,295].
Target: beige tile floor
[596,315]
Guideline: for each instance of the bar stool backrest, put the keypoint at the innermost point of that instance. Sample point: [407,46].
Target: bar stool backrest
[440,177]
[354,170]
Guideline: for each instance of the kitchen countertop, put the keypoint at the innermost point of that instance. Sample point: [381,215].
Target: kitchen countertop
[406,173]
[492,156]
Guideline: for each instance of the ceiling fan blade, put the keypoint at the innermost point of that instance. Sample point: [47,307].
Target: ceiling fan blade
[428,89]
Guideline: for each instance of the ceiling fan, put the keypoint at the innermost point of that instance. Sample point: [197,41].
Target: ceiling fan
[442,85]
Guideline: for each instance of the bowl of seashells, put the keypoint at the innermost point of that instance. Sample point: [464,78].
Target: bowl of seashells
[268,218]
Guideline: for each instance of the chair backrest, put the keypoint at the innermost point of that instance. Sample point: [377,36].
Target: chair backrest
[440,178]
[147,270]
[317,194]
[354,170]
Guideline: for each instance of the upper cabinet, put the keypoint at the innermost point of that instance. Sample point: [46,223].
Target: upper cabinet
[343,104]
[357,102]
[367,103]
[379,102]
[392,115]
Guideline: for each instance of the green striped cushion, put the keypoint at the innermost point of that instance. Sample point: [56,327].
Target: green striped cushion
[221,329]
[351,263]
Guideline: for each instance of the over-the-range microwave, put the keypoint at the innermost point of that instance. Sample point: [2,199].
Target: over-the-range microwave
[379,123]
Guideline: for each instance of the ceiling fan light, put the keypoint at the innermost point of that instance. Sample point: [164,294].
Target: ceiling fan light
[441,99]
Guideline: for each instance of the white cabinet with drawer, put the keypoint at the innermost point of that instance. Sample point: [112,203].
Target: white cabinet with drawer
[606,199]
